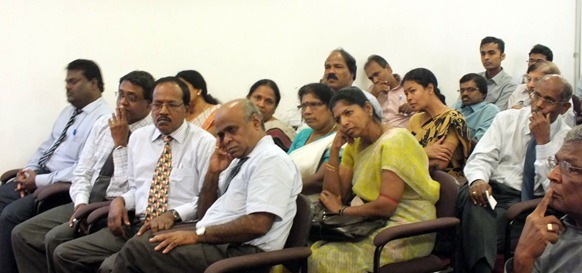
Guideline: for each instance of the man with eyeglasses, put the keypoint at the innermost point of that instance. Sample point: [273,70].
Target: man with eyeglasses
[387,89]
[521,95]
[101,174]
[547,244]
[510,165]
[538,53]
[167,162]
[478,113]
[57,156]
[499,83]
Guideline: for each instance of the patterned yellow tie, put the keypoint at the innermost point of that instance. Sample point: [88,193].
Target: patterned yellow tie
[158,197]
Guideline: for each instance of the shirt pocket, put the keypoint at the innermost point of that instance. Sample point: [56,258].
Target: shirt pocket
[183,181]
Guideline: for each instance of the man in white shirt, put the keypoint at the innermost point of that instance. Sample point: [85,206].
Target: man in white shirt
[57,156]
[254,214]
[166,162]
[499,83]
[510,164]
[35,239]
[387,89]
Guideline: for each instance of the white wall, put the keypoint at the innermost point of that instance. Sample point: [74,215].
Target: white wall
[235,43]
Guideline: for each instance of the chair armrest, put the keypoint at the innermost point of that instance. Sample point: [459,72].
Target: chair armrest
[86,210]
[97,215]
[8,174]
[521,207]
[44,192]
[408,230]
[250,261]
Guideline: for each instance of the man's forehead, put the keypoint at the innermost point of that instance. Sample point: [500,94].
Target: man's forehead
[490,46]
[75,73]
[167,90]
[335,58]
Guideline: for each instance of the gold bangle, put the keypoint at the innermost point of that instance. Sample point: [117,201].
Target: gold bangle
[330,167]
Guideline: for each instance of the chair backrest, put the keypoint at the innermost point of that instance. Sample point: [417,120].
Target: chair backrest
[301,223]
[445,207]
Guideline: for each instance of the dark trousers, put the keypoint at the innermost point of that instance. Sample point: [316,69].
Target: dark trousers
[34,240]
[13,211]
[187,258]
[482,228]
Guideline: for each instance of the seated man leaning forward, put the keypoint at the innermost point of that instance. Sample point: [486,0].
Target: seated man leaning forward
[533,253]
[255,213]
[165,165]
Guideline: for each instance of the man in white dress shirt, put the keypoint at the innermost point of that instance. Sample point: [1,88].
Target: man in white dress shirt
[499,167]
[254,214]
[35,239]
[166,162]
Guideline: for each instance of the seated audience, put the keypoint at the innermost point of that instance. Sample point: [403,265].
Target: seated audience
[310,147]
[499,83]
[265,95]
[56,158]
[386,184]
[442,131]
[202,105]
[101,174]
[510,164]
[478,113]
[254,214]
[521,95]
[166,163]
[395,110]
[547,244]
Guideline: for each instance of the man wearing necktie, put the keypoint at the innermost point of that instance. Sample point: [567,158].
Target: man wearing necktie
[166,164]
[101,174]
[57,156]
[259,185]
[510,164]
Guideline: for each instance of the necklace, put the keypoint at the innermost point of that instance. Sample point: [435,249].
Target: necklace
[331,130]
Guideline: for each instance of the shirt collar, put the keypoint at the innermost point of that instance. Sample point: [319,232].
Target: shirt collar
[499,77]
[93,105]
[141,123]
[178,135]
[475,107]
[264,141]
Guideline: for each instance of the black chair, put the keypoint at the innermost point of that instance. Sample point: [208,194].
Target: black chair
[293,256]
[445,225]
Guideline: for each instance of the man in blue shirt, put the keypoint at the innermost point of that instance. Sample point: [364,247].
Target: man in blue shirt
[478,113]
[57,156]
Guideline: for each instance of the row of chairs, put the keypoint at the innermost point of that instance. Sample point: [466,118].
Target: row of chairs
[295,253]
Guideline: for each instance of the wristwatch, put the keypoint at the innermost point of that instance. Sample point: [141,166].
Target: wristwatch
[200,231]
[176,215]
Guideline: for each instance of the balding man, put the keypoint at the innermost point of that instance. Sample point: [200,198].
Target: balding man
[253,215]
[510,164]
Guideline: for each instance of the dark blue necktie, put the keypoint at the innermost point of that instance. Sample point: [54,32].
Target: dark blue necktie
[234,171]
[47,155]
[529,173]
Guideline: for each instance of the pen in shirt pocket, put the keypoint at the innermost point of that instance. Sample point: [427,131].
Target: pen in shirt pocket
[75,132]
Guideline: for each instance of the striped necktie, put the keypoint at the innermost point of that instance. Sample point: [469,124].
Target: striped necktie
[529,172]
[46,156]
[158,196]
[234,171]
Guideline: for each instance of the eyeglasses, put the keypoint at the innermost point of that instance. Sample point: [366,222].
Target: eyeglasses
[312,105]
[173,105]
[130,97]
[470,90]
[528,79]
[536,96]
[565,166]
[534,61]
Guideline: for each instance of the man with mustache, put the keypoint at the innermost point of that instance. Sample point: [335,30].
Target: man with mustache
[340,71]
[166,164]
[499,83]
[57,156]
[478,113]
[510,164]
[101,174]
